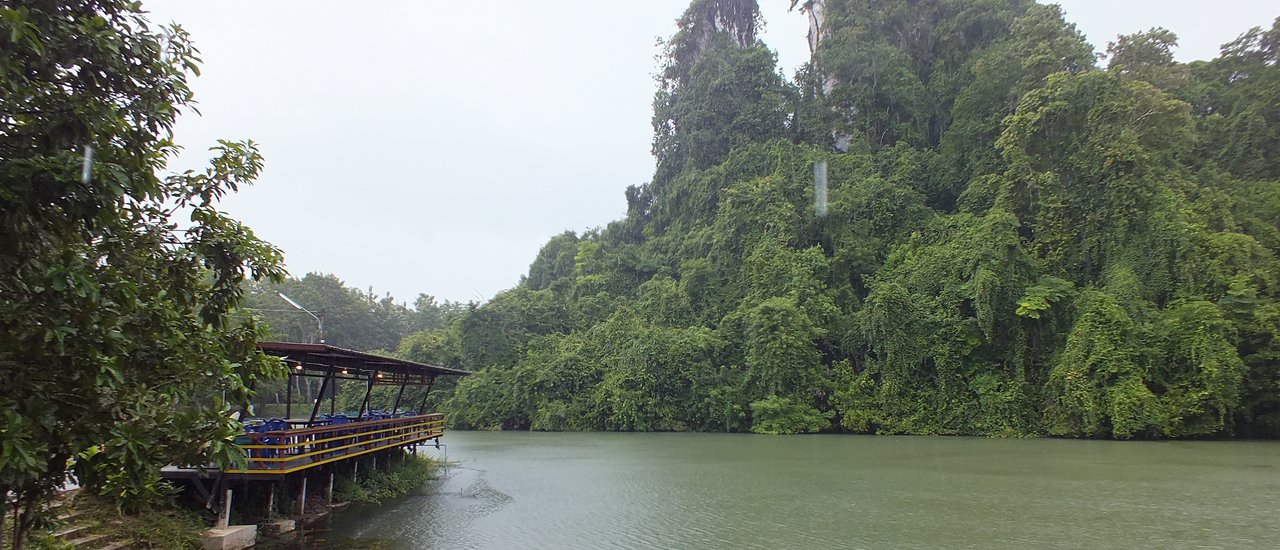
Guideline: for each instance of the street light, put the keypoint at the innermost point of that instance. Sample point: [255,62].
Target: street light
[319,320]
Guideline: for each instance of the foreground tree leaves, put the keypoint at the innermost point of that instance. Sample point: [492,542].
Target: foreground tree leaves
[119,349]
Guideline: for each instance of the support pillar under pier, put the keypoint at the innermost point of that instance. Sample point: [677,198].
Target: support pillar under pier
[224,515]
[302,496]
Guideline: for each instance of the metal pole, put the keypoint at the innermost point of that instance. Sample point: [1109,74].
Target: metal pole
[399,394]
[368,390]
[288,395]
[430,382]
[320,398]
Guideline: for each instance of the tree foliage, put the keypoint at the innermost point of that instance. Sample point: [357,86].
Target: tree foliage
[119,350]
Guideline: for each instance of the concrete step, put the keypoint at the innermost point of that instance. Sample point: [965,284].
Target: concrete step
[72,531]
[88,541]
[68,517]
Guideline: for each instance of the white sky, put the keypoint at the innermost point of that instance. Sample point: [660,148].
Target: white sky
[428,146]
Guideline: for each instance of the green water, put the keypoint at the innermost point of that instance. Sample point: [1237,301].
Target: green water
[610,490]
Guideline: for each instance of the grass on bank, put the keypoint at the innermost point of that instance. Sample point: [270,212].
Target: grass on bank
[404,475]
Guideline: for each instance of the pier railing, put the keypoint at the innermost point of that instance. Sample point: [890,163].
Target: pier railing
[288,451]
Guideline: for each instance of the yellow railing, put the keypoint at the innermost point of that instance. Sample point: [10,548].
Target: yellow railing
[288,451]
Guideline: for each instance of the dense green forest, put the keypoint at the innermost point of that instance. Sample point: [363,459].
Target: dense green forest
[1020,237]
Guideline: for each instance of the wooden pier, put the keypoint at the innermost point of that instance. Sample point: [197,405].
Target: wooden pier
[285,452]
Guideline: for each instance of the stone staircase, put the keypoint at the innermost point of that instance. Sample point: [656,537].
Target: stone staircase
[80,532]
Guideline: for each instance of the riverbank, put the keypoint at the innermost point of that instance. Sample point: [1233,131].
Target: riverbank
[83,520]
[80,520]
[403,476]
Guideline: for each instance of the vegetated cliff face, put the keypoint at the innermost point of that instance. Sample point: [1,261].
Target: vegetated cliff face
[735,19]
[1017,241]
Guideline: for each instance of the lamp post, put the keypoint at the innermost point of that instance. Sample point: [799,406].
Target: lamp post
[319,319]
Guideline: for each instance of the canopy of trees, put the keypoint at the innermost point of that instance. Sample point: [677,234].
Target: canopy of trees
[1018,241]
[353,319]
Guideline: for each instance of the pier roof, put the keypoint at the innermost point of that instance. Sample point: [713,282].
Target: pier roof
[323,357]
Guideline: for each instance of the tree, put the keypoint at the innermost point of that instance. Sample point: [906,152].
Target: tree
[117,334]
[554,261]
[353,318]
[1092,154]
[719,89]
[1148,56]
[1238,98]
[1041,43]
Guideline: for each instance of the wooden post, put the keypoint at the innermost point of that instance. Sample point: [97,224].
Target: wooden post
[355,468]
[224,516]
[328,492]
[271,500]
[302,496]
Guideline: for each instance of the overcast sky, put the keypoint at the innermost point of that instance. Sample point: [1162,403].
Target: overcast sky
[429,146]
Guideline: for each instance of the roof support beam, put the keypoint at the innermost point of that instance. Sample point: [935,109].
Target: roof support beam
[430,382]
[364,404]
[320,397]
[399,394]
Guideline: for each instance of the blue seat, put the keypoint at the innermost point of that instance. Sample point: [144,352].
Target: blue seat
[274,425]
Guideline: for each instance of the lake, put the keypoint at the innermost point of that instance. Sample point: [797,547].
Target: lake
[670,490]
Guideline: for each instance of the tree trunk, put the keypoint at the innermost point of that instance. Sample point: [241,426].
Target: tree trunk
[17,521]
[25,505]
[4,511]
[17,495]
